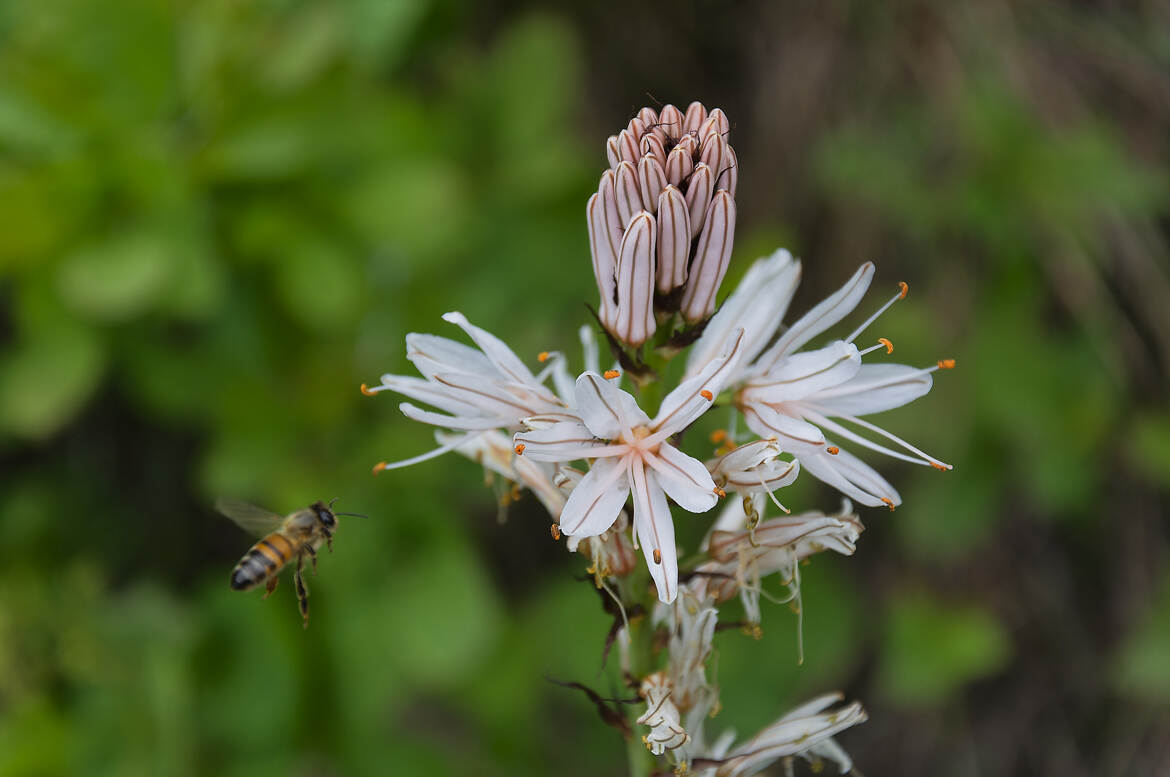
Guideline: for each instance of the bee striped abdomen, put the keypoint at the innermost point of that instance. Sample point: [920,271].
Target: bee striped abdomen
[264,560]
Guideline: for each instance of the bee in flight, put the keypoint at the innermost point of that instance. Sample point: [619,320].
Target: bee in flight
[284,538]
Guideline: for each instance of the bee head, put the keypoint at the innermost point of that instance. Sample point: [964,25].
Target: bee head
[324,515]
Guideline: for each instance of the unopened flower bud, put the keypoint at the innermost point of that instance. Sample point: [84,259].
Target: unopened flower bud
[696,115]
[711,258]
[674,240]
[652,180]
[671,120]
[635,281]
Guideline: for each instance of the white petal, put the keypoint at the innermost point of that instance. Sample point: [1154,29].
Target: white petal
[435,394]
[655,528]
[793,434]
[606,409]
[462,423]
[494,348]
[838,305]
[684,479]
[757,306]
[492,398]
[851,476]
[565,441]
[803,375]
[875,389]
[596,501]
[691,398]
[431,353]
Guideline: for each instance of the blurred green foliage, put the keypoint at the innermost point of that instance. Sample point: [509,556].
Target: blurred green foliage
[220,217]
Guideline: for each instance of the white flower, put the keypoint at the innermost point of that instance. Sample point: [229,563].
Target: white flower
[630,454]
[754,468]
[796,396]
[805,731]
[661,715]
[476,390]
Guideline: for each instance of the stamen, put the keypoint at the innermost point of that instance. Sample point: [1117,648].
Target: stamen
[905,287]
[940,466]
[367,392]
[832,450]
[901,293]
[718,436]
[707,395]
[881,343]
[946,364]
[542,357]
[555,531]
[519,449]
[657,556]
[889,503]
[381,465]
[719,492]
[771,495]
[611,374]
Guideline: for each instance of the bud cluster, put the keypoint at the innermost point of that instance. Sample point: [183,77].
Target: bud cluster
[662,223]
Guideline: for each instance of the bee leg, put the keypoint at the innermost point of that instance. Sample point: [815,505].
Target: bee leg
[302,590]
[329,540]
[312,557]
[271,586]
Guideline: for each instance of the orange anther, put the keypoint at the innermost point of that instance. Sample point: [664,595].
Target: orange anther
[555,531]
[718,436]
[946,364]
[611,374]
[381,465]
[657,556]
[905,287]
[542,356]
[519,449]
[832,450]
[889,346]
[937,465]
[366,390]
[719,492]
[707,395]
[889,503]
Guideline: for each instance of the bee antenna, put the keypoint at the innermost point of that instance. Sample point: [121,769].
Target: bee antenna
[352,515]
[331,501]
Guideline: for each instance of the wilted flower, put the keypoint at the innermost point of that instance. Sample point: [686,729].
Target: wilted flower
[670,189]
[692,630]
[630,454]
[743,557]
[478,390]
[661,715]
[806,731]
[793,396]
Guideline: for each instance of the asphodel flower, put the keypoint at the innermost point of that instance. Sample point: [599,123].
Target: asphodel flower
[662,223]
[692,620]
[473,390]
[630,455]
[743,556]
[806,731]
[794,397]
[661,715]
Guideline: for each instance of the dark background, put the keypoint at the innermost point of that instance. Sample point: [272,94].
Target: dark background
[219,217]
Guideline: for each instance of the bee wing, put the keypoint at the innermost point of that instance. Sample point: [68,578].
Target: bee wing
[249,517]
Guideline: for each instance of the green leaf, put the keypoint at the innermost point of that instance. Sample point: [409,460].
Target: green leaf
[118,278]
[932,649]
[44,380]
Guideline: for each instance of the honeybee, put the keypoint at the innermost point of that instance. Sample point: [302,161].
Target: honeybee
[284,538]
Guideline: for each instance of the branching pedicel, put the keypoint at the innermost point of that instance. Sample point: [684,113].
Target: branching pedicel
[661,229]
